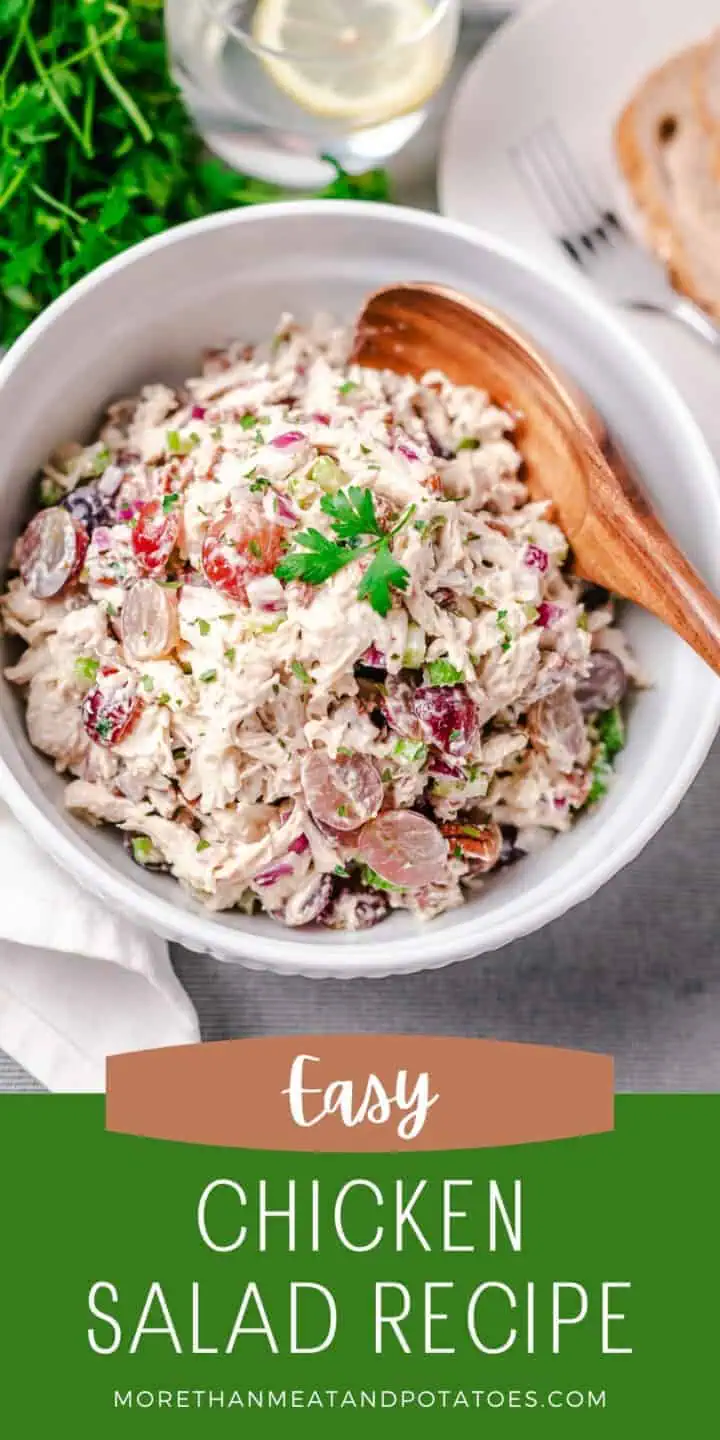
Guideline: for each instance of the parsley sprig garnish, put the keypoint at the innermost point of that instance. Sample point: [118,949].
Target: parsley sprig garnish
[353,519]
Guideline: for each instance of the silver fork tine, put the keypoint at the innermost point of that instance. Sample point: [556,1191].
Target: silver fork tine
[595,238]
[557,188]
[590,212]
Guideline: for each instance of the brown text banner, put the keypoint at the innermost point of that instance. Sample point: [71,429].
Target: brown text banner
[360,1093]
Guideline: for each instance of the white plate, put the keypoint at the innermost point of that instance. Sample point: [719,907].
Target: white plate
[574,62]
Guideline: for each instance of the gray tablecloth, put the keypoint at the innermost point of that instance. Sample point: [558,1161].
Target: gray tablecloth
[635,972]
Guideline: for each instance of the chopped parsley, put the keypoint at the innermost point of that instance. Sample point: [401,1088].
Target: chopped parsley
[141,849]
[469,443]
[413,751]
[611,730]
[347,386]
[371,877]
[441,672]
[86,668]
[246,422]
[301,673]
[260,484]
[147,682]
[208,676]
[202,625]
[169,502]
[353,518]
[51,492]
[255,549]
[202,845]
[341,870]
[163,698]
[501,621]
[101,461]
[230,654]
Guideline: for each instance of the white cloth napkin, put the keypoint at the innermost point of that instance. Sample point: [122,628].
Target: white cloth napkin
[76,984]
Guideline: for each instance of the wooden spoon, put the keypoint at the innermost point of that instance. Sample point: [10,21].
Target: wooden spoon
[617,540]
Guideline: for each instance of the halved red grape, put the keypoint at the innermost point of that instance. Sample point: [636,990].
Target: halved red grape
[238,548]
[309,902]
[557,726]
[447,717]
[343,793]
[604,685]
[111,708]
[155,535]
[149,621]
[404,848]
[355,909]
[397,704]
[51,552]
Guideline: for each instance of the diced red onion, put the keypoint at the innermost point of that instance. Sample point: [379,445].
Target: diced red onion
[374,657]
[320,417]
[300,845]
[408,452]
[282,511]
[273,873]
[266,593]
[198,412]
[547,614]
[536,558]
[289,437]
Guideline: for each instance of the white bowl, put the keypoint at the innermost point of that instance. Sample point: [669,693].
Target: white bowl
[147,315]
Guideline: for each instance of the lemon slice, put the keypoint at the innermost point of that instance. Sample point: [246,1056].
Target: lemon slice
[359,62]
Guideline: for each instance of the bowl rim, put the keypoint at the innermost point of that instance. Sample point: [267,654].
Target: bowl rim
[426,949]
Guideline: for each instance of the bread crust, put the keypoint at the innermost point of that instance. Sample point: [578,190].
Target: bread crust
[661,231]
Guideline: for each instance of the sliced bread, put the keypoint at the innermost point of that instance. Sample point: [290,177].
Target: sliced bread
[709,95]
[666,150]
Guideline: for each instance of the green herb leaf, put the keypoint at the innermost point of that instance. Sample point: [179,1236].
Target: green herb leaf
[86,667]
[441,672]
[383,573]
[371,878]
[208,676]
[611,729]
[352,512]
[414,751]
[169,502]
[316,561]
[469,443]
[301,673]
[142,849]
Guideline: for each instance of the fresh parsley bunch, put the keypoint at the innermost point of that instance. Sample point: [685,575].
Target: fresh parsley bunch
[97,150]
[353,519]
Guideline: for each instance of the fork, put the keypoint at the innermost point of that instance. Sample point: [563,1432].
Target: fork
[595,239]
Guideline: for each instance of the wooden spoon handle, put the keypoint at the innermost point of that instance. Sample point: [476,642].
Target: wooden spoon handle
[633,553]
